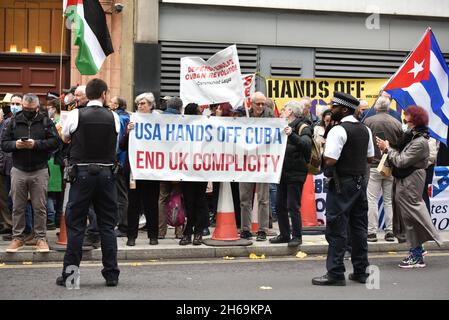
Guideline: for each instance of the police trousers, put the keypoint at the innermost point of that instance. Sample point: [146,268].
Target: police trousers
[347,209]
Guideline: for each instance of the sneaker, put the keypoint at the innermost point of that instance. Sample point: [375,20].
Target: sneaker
[246,235]
[412,262]
[42,246]
[295,242]
[261,236]
[389,236]
[15,246]
[279,239]
[372,237]
[51,226]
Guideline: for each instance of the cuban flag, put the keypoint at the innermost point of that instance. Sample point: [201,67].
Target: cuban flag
[423,80]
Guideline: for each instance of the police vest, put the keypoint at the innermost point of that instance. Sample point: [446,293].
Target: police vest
[352,161]
[95,138]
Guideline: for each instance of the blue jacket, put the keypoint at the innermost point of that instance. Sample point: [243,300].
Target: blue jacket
[124,120]
[171,111]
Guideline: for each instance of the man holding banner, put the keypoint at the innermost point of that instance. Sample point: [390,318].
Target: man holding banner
[258,110]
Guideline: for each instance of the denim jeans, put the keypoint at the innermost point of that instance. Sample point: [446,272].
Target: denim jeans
[50,210]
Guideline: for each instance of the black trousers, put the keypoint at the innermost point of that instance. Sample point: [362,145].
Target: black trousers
[349,209]
[145,198]
[195,203]
[288,203]
[122,200]
[100,190]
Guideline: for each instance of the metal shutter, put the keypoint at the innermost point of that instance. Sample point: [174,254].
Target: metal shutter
[172,52]
[343,63]
[286,69]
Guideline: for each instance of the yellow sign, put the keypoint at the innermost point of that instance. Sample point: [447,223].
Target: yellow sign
[321,91]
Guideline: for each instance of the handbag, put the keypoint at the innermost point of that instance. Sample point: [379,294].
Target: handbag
[175,210]
[383,167]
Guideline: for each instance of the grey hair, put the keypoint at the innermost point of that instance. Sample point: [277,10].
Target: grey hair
[175,103]
[382,104]
[257,93]
[31,98]
[82,89]
[297,107]
[148,96]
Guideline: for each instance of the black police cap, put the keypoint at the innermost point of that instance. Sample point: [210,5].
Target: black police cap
[345,100]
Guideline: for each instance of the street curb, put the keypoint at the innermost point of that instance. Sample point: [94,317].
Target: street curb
[202,252]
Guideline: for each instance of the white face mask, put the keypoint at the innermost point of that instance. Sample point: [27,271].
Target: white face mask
[15,109]
[404,127]
[66,100]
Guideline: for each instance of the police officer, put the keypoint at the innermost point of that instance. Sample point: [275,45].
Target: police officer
[349,146]
[92,132]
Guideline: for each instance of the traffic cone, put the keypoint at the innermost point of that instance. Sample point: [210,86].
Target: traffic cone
[308,207]
[225,232]
[62,238]
[255,214]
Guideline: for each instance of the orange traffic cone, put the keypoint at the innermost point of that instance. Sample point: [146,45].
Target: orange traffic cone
[255,214]
[308,205]
[225,233]
[62,238]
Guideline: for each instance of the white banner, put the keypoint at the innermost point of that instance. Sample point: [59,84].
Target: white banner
[249,83]
[198,148]
[439,202]
[214,81]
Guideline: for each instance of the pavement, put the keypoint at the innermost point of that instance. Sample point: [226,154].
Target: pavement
[169,249]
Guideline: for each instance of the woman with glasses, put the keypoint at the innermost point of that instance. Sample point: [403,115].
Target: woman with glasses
[145,196]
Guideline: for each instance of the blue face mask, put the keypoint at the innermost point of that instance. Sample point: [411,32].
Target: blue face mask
[15,109]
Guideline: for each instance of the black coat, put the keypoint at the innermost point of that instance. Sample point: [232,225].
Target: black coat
[297,154]
[41,130]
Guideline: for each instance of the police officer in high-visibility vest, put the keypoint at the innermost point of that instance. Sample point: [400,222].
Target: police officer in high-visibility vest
[92,132]
[349,146]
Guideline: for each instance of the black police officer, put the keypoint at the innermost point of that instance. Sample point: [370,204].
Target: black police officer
[92,132]
[349,146]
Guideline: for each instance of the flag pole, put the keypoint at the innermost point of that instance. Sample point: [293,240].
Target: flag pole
[60,56]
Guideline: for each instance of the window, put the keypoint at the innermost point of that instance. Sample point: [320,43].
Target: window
[31,26]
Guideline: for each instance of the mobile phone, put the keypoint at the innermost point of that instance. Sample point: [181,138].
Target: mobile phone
[24,138]
[381,135]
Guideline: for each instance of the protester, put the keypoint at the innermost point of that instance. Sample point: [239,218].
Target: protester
[319,130]
[118,105]
[433,151]
[384,126]
[294,174]
[173,106]
[92,132]
[144,198]
[195,201]
[409,163]
[349,146]
[30,136]
[258,110]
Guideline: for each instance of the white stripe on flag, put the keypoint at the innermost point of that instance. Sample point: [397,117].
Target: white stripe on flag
[64,6]
[91,40]
[422,99]
[442,79]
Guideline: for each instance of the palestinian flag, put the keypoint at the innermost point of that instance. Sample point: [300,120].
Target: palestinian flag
[91,34]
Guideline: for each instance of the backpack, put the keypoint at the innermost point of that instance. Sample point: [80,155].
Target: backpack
[314,164]
[175,210]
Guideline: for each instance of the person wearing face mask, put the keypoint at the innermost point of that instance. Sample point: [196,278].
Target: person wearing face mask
[30,136]
[409,162]
[349,146]
[5,170]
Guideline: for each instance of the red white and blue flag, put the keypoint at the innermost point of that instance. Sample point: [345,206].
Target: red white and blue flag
[423,80]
